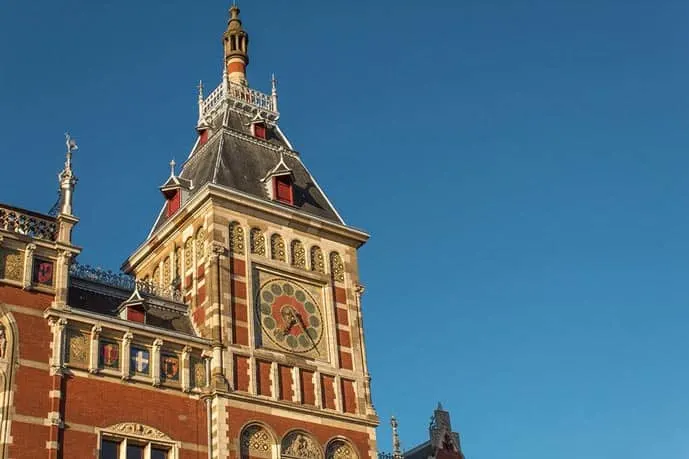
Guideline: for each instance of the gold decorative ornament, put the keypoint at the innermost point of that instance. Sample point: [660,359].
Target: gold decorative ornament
[258,242]
[277,248]
[317,261]
[298,254]
[337,267]
[237,238]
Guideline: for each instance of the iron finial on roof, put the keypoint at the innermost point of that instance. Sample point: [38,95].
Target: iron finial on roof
[396,449]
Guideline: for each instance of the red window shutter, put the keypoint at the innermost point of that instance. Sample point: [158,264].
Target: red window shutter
[136,314]
[203,137]
[173,203]
[260,130]
[283,189]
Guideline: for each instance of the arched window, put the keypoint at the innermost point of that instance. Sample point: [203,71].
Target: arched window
[258,242]
[298,254]
[277,248]
[340,449]
[256,441]
[317,262]
[236,238]
[8,357]
[300,445]
[337,267]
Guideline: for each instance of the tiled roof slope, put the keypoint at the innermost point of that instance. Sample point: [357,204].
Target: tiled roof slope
[233,158]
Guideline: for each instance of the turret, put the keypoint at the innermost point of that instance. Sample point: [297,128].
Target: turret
[236,44]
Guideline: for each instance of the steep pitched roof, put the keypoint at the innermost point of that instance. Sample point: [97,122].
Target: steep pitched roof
[235,159]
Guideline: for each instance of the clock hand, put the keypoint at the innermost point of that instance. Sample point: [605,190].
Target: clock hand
[306,332]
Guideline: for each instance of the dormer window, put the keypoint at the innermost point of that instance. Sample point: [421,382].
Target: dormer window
[259,129]
[283,190]
[136,314]
[173,202]
[203,137]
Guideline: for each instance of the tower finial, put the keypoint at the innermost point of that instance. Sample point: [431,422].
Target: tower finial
[274,92]
[236,44]
[67,178]
[172,167]
[396,450]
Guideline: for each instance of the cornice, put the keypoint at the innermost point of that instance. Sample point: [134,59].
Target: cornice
[219,194]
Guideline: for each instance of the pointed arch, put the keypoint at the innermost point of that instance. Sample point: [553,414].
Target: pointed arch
[337,266]
[298,254]
[277,247]
[299,444]
[257,441]
[258,242]
[236,238]
[317,261]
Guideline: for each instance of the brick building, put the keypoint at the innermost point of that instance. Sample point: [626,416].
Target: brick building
[234,331]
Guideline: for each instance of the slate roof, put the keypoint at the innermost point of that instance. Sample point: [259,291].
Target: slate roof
[233,158]
[104,299]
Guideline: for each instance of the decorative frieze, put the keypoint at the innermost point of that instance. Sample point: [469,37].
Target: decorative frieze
[256,441]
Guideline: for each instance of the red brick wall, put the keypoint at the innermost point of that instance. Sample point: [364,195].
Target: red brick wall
[348,396]
[96,402]
[240,332]
[263,378]
[308,391]
[241,373]
[286,392]
[328,391]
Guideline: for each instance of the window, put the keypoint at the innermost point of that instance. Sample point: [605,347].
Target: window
[283,189]
[259,130]
[173,203]
[126,448]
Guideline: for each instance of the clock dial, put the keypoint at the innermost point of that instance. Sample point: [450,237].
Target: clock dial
[290,317]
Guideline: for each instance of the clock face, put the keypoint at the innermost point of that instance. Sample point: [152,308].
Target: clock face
[290,317]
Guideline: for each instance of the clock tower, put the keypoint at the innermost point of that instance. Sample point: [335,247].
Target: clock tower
[268,270]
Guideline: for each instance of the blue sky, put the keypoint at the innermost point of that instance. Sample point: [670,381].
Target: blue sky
[522,167]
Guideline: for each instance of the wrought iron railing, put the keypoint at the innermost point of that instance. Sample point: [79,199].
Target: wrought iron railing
[28,223]
[123,281]
[240,93]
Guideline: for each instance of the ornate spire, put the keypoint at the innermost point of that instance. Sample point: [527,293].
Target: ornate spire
[396,450]
[274,92]
[67,178]
[236,44]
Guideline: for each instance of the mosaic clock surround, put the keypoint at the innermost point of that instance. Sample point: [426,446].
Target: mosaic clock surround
[290,317]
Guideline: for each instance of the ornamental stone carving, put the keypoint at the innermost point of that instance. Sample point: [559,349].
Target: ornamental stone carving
[256,442]
[166,272]
[156,276]
[3,342]
[277,248]
[188,253]
[298,254]
[200,244]
[337,267]
[237,238]
[258,242]
[300,445]
[178,263]
[140,430]
[340,449]
[78,348]
[11,265]
[317,262]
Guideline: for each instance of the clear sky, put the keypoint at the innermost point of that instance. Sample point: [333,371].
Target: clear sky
[522,166]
